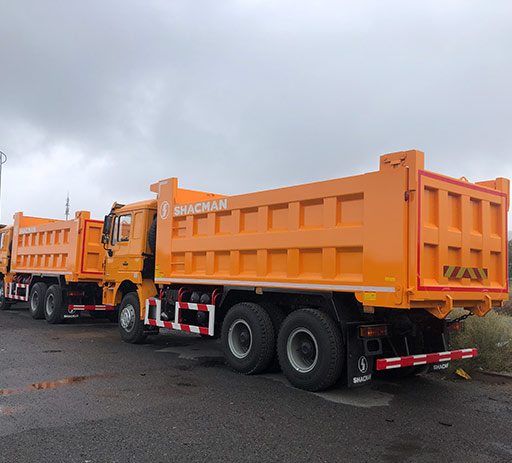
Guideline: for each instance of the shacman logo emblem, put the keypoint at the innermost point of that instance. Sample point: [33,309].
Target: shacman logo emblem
[475,273]
[362,364]
[164,210]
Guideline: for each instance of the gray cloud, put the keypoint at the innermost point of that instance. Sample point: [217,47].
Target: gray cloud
[103,98]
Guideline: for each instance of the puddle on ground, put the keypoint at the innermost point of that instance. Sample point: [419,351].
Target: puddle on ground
[6,410]
[51,384]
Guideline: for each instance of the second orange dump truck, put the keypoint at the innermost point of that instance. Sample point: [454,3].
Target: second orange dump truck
[337,278]
[54,265]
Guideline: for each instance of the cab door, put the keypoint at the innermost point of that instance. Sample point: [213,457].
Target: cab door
[126,245]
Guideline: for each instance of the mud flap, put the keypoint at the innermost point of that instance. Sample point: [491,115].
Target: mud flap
[359,365]
[69,313]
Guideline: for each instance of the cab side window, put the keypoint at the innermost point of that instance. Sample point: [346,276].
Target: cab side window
[121,229]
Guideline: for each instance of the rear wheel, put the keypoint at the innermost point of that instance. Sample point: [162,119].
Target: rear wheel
[4,305]
[277,315]
[248,338]
[131,326]
[53,308]
[310,349]
[36,300]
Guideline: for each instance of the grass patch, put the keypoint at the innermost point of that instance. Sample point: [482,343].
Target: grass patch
[491,335]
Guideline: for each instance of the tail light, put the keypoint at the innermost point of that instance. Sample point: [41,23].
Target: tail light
[75,293]
[455,326]
[373,331]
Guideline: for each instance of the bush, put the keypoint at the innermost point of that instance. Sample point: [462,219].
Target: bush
[492,336]
[507,307]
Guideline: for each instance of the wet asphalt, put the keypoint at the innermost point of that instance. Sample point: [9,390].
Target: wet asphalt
[76,393]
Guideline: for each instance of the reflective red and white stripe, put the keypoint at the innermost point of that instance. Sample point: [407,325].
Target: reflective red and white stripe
[15,287]
[178,326]
[423,359]
[90,307]
[156,320]
[192,306]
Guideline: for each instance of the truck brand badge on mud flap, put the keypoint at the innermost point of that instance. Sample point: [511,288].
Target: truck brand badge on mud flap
[164,210]
[362,364]
[440,366]
[198,208]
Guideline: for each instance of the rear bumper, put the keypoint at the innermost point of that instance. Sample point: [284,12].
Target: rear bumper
[424,359]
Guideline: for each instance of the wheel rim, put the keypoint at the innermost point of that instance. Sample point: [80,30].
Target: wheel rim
[127,317]
[50,304]
[240,338]
[34,301]
[302,350]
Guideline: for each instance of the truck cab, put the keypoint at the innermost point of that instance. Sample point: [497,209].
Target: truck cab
[129,262]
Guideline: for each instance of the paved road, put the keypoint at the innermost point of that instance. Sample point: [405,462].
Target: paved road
[76,393]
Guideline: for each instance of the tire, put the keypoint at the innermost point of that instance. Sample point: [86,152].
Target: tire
[248,338]
[36,300]
[53,307]
[310,350]
[4,305]
[131,327]
[277,315]
[152,236]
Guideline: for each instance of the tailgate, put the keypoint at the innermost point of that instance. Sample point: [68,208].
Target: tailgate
[461,244]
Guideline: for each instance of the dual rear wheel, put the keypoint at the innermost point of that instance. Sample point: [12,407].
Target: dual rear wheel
[308,344]
[46,302]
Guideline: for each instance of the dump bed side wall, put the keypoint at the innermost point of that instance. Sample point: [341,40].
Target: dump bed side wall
[71,248]
[327,235]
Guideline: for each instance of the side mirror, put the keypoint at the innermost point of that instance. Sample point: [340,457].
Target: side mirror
[107,228]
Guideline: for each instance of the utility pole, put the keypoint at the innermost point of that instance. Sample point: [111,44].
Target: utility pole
[67,206]
[3,159]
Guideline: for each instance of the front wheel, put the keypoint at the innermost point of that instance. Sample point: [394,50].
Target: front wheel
[310,350]
[248,339]
[131,326]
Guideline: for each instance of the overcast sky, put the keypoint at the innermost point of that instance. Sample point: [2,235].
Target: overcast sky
[103,98]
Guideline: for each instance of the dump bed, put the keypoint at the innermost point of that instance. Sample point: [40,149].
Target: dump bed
[400,237]
[71,248]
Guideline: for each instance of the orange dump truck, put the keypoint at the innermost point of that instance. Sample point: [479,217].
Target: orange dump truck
[343,277]
[55,265]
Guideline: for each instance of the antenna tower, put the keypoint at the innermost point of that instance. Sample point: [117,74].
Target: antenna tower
[67,206]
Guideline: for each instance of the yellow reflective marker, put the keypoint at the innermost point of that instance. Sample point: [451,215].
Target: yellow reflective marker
[370,296]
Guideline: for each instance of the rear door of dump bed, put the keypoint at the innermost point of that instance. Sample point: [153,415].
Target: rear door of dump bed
[461,252]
